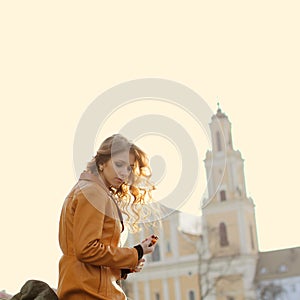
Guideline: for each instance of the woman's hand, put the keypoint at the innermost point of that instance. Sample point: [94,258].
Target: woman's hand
[140,265]
[148,244]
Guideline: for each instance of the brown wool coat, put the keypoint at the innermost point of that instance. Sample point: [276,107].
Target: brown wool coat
[89,235]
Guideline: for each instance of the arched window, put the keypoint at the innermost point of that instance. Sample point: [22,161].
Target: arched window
[155,255]
[157,296]
[223,195]
[168,246]
[223,235]
[192,295]
[251,237]
[219,145]
[230,140]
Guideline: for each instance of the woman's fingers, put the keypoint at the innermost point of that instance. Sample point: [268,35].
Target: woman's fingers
[148,244]
[140,265]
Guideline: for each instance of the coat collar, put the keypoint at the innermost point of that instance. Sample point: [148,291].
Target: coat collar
[92,177]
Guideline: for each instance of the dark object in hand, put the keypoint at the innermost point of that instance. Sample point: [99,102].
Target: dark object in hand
[153,240]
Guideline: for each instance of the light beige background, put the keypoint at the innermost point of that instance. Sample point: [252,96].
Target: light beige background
[58,56]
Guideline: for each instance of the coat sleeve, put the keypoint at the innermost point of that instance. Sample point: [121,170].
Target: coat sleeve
[88,224]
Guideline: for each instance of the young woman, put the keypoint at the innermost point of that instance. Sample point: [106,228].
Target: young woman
[115,182]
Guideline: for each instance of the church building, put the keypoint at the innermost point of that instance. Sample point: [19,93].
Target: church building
[224,261]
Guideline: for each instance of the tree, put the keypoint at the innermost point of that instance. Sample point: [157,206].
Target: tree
[272,292]
[206,263]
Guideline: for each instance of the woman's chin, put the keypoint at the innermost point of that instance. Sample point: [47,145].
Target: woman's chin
[116,185]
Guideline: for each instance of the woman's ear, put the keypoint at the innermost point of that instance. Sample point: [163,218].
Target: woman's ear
[102,166]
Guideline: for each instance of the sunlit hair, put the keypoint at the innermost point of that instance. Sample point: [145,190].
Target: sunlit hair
[134,195]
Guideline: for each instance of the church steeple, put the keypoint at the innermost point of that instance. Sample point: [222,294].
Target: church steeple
[221,132]
[229,227]
[224,165]
[227,188]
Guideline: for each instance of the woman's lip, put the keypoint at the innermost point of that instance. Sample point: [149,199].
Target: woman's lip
[119,179]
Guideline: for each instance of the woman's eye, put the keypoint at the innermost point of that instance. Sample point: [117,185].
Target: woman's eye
[121,165]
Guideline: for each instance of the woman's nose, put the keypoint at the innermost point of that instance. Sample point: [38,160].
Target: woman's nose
[124,173]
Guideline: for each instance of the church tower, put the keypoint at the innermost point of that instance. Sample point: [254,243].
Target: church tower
[229,226]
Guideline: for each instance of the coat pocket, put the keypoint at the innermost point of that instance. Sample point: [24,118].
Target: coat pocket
[91,278]
[99,280]
[103,284]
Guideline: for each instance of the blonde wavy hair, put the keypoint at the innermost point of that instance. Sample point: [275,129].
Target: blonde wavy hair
[132,196]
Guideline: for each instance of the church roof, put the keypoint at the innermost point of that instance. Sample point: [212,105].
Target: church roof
[278,264]
[219,114]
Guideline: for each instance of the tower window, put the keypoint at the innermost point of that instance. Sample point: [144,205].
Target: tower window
[223,235]
[192,295]
[223,195]
[251,237]
[157,296]
[230,140]
[219,145]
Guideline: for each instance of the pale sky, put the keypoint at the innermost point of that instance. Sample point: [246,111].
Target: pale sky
[57,57]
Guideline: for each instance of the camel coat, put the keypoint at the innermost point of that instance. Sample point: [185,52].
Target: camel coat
[89,235]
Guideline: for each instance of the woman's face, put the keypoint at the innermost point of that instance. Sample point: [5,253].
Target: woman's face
[117,169]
